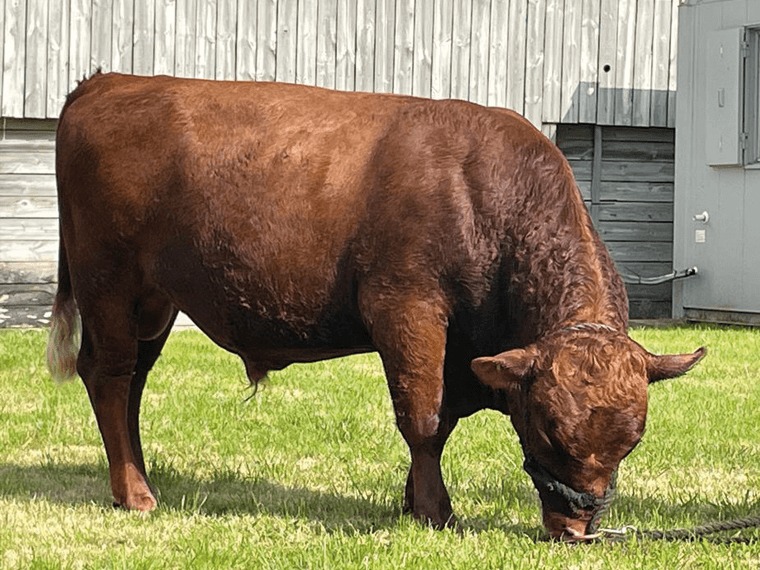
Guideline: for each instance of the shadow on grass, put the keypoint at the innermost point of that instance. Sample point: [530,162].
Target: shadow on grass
[229,493]
[224,493]
[64,484]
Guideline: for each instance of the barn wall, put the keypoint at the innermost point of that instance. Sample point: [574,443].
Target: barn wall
[588,61]
[28,221]
[626,176]
[610,63]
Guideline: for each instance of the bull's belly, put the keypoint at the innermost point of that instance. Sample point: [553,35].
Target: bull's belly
[249,309]
[271,344]
[266,342]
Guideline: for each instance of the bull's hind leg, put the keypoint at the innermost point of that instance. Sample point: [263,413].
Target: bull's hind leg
[106,363]
[148,352]
[411,338]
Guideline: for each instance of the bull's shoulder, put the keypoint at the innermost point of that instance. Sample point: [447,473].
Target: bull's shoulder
[467,133]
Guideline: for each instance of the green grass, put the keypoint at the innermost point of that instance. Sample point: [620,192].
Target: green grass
[308,473]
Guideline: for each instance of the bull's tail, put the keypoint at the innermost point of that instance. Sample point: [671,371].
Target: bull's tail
[63,342]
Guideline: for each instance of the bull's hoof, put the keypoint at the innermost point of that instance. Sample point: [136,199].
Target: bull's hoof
[452,523]
[141,503]
[438,523]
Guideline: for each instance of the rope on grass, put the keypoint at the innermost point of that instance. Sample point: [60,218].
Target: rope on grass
[687,534]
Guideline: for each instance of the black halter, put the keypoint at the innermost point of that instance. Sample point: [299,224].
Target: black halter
[576,500]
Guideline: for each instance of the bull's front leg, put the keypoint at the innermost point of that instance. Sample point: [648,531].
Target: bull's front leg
[411,339]
[419,415]
[441,503]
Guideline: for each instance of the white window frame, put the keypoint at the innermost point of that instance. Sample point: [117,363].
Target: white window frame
[751,119]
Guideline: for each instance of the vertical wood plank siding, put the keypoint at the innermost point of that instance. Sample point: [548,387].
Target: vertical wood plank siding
[14,58]
[610,62]
[595,68]
[587,91]
[365,45]
[626,176]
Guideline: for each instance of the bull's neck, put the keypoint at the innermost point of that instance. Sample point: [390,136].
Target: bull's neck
[567,274]
[593,291]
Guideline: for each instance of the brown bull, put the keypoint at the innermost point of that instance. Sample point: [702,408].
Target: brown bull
[295,224]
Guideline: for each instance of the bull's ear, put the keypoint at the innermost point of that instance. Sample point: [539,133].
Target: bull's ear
[506,370]
[672,365]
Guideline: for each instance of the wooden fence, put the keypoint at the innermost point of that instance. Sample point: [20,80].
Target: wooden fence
[608,62]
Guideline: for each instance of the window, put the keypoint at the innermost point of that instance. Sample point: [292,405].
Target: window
[732,97]
[751,126]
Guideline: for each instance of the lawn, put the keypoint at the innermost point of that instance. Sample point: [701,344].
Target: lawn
[308,472]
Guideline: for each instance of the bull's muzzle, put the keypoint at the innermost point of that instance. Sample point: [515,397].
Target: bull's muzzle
[568,529]
[568,514]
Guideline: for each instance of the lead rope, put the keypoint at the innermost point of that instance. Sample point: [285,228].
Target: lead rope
[686,534]
[609,495]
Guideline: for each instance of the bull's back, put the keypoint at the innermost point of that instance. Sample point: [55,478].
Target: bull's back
[239,202]
[258,207]
[252,151]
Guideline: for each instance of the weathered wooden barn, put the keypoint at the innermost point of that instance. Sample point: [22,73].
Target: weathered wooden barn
[599,76]
[718,156]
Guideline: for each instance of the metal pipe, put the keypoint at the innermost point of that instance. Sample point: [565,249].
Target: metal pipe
[672,276]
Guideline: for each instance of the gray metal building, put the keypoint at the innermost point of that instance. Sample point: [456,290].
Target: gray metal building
[717,183]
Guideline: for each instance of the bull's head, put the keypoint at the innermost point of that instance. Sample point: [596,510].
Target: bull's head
[578,401]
